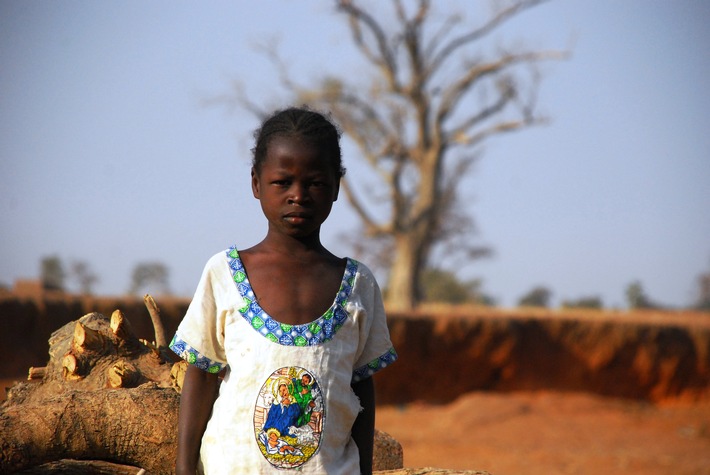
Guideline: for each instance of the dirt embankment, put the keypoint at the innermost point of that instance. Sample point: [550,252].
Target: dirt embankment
[447,353]
[648,356]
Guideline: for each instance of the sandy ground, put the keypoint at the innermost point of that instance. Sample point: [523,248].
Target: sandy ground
[548,433]
[545,433]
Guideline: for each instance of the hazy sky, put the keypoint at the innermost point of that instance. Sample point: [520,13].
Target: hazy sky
[109,156]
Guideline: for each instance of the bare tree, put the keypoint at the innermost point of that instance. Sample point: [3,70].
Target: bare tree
[435,96]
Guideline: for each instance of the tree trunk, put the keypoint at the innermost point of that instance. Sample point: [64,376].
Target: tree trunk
[403,292]
[132,426]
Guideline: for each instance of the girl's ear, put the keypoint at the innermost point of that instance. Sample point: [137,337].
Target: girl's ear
[255,185]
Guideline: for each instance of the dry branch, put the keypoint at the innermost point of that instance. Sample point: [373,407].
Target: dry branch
[160,339]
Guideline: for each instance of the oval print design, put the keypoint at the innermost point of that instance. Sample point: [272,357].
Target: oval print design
[288,417]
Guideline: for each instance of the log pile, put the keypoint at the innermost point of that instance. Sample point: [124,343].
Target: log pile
[106,403]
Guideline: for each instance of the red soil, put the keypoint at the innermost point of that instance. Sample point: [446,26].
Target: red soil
[544,433]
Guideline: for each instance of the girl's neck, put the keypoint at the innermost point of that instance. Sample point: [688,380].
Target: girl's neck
[292,246]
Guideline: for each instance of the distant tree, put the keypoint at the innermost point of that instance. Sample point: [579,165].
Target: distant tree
[636,297]
[443,286]
[84,276]
[703,299]
[584,302]
[52,273]
[150,276]
[538,297]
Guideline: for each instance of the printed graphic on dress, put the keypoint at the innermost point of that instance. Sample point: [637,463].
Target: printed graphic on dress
[288,417]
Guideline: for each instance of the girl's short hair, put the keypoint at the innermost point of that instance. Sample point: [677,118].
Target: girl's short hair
[302,123]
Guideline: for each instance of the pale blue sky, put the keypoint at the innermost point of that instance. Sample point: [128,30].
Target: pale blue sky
[108,156]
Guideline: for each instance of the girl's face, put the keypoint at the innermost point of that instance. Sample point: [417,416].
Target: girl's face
[296,186]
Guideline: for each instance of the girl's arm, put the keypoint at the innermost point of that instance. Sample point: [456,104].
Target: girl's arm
[363,431]
[199,391]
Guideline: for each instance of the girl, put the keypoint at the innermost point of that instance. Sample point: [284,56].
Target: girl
[298,331]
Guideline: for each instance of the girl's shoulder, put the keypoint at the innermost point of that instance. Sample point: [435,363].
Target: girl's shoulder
[220,261]
[363,277]
[218,271]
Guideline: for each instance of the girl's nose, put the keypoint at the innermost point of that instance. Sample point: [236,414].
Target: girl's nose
[299,193]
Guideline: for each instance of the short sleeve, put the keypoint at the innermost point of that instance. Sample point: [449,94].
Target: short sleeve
[199,339]
[375,351]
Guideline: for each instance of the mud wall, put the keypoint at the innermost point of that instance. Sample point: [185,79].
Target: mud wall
[442,356]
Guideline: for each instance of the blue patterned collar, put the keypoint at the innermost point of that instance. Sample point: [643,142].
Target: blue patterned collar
[319,331]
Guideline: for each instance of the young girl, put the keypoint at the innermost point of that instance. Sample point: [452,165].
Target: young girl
[298,330]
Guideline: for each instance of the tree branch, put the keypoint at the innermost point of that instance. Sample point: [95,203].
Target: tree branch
[493,23]
[499,128]
[372,226]
[459,134]
[385,60]
[452,95]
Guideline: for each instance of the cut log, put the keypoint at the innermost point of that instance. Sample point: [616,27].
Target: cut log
[36,373]
[124,375]
[127,341]
[86,338]
[135,427]
[121,326]
[72,368]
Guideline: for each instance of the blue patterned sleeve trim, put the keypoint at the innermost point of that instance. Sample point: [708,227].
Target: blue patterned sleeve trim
[374,366]
[181,348]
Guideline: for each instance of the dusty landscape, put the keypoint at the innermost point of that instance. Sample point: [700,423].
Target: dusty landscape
[542,394]
[545,433]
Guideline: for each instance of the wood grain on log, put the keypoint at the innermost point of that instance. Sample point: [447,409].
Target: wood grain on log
[130,426]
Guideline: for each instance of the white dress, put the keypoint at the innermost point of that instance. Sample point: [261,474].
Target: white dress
[286,402]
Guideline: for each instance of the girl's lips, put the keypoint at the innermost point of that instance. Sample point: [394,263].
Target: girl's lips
[296,218]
